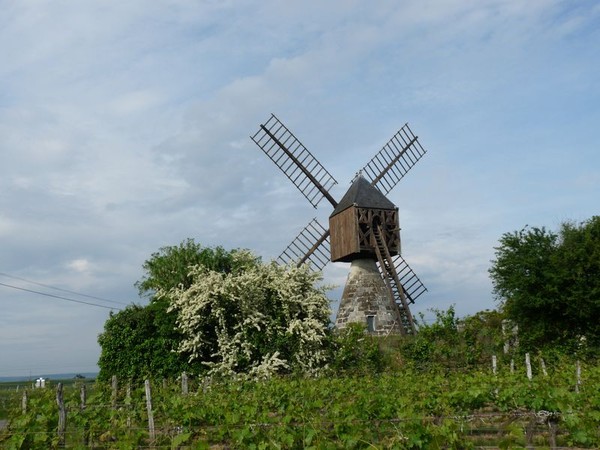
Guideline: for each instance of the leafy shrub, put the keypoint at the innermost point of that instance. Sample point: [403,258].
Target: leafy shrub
[356,351]
[259,321]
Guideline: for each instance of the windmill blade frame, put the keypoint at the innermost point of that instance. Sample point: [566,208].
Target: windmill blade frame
[394,160]
[308,247]
[412,285]
[295,161]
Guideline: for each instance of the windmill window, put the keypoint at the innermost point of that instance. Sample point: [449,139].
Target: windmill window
[370,324]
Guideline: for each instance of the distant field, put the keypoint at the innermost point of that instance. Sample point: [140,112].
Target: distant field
[13,385]
[57,376]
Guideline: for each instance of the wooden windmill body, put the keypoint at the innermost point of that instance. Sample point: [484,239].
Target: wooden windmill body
[363,228]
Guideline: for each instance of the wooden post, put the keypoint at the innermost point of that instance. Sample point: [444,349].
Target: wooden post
[578,376]
[512,365]
[24,402]
[149,409]
[184,383]
[543,365]
[62,415]
[128,403]
[553,426]
[82,396]
[528,366]
[494,370]
[115,390]
[530,431]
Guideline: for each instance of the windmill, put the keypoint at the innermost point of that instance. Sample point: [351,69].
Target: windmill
[363,227]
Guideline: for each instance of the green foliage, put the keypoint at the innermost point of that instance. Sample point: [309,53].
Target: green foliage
[579,265]
[355,351]
[436,343]
[261,320]
[452,342]
[140,341]
[482,334]
[403,410]
[549,284]
[169,268]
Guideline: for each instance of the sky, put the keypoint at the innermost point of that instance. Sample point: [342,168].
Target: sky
[124,128]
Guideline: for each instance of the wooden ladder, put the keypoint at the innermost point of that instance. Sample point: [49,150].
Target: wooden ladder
[395,289]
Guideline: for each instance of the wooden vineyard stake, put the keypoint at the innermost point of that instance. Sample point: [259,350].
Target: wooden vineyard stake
[494,370]
[151,431]
[128,403]
[543,366]
[24,402]
[115,386]
[62,415]
[184,383]
[82,396]
[528,366]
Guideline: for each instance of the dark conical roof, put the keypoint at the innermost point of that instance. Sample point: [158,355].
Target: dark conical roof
[363,195]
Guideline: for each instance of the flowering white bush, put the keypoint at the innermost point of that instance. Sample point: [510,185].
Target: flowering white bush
[259,320]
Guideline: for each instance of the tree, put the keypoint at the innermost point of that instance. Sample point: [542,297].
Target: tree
[549,284]
[258,321]
[170,266]
[142,341]
[136,344]
[579,265]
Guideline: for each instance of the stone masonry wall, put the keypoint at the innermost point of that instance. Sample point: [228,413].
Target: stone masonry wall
[366,294]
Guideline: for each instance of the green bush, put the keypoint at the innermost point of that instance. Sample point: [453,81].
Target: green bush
[355,351]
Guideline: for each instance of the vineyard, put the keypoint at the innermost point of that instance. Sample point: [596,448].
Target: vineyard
[412,409]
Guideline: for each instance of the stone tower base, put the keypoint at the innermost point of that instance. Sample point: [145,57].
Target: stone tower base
[366,300]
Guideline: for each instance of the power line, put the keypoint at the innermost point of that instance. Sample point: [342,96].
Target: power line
[62,290]
[58,297]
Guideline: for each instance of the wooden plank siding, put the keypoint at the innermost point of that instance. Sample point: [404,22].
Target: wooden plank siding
[351,232]
[344,237]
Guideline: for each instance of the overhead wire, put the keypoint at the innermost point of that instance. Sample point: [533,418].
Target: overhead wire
[61,289]
[58,297]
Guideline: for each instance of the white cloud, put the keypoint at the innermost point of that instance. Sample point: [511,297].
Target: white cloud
[79,265]
[135,102]
[7,226]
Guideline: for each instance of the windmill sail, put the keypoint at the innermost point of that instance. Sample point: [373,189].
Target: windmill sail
[307,247]
[394,160]
[411,283]
[295,161]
